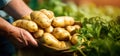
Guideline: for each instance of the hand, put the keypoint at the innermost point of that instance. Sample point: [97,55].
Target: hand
[21,37]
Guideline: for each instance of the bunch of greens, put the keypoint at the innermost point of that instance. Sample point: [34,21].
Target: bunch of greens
[100,26]
[102,37]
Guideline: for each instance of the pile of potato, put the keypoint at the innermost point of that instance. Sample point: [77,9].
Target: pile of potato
[50,30]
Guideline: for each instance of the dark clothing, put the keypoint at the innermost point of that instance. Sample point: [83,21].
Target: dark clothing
[6,48]
[3,3]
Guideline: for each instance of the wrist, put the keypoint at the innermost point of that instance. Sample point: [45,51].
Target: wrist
[10,29]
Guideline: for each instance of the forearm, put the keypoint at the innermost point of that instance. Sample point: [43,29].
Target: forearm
[5,26]
[17,9]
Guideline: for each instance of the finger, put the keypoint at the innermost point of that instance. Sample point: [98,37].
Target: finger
[30,39]
[23,38]
[33,41]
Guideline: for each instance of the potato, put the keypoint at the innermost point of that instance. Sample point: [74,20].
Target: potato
[41,19]
[69,20]
[26,24]
[27,17]
[61,34]
[63,45]
[17,22]
[50,40]
[71,29]
[48,13]
[74,39]
[34,14]
[49,29]
[62,21]
[77,27]
[38,34]
[58,22]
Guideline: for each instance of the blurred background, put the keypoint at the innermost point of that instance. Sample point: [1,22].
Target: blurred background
[79,2]
[72,7]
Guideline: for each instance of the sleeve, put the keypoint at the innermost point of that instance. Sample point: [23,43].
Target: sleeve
[3,3]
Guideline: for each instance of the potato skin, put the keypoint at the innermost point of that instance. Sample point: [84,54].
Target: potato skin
[69,20]
[48,13]
[62,21]
[71,29]
[26,24]
[50,40]
[17,22]
[38,34]
[61,34]
[41,19]
[63,45]
[77,27]
[27,17]
[49,29]
[74,39]
[58,22]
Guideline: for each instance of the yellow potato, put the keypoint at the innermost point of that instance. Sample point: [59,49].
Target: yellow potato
[58,22]
[63,21]
[50,40]
[71,29]
[74,39]
[49,29]
[39,33]
[61,34]
[68,20]
[17,22]
[48,13]
[62,45]
[41,19]
[26,24]
[77,27]
[34,14]
[27,17]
